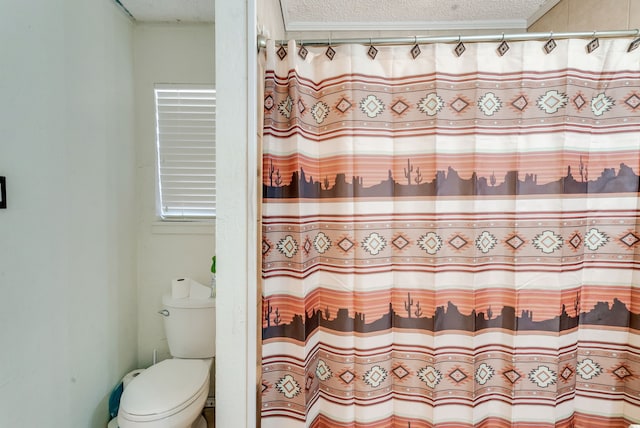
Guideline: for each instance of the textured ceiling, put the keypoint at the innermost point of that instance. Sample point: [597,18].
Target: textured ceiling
[327,15]
[171,10]
[310,15]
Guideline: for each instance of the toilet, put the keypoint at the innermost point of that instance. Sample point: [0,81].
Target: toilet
[172,393]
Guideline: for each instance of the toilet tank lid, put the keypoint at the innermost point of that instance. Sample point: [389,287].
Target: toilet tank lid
[188,302]
[165,386]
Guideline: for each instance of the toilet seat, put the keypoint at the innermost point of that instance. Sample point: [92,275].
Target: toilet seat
[165,389]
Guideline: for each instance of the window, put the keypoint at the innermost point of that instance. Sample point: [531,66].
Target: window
[185,136]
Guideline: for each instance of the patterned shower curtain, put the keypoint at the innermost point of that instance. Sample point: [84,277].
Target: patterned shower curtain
[451,235]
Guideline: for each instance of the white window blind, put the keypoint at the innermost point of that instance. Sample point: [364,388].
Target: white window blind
[185,129]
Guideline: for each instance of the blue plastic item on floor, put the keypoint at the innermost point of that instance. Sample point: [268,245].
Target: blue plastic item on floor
[114,400]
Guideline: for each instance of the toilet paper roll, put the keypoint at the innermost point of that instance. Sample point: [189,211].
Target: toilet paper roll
[126,380]
[180,288]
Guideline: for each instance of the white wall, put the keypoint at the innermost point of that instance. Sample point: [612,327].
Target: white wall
[165,53]
[590,15]
[269,19]
[236,228]
[67,239]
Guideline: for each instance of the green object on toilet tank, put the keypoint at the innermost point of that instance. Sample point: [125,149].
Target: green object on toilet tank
[213,276]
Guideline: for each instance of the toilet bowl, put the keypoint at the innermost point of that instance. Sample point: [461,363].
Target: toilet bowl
[172,393]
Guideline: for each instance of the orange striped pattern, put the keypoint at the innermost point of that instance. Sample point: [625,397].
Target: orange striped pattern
[575,421]
[543,304]
[547,166]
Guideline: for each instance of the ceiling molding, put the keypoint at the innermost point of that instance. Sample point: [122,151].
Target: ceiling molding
[515,24]
[192,11]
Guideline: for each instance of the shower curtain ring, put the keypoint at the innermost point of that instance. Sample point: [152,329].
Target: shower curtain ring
[330,52]
[302,52]
[550,45]
[593,44]
[372,52]
[635,43]
[459,50]
[503,47]
[415,50]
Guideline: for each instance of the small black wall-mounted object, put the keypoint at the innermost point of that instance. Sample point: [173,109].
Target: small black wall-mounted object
[3,192]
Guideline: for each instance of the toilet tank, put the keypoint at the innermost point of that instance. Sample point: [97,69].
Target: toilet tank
[190,325]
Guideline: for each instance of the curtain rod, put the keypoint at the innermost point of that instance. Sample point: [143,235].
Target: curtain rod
[411,40]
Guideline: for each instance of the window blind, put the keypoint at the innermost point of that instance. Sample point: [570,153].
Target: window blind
[185,129]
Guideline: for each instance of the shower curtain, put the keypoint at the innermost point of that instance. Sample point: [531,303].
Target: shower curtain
[450,235]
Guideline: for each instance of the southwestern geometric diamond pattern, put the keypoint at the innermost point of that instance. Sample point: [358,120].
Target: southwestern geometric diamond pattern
[566,373]
[630,239]
[489,104]
[485,242]
[288,246]
[431,104]
[285,107]
[459,104]
[307,245]
[375,376]
[575,240]
[515,242]
[321,242]
[633,101]
[347,377]
[288,386]
[588,369]
[430,376]
[484,373]
[458,375]
[622,372]
[552,101]
[371,106]
[400,372]
[374,243]
[520,103]
[547,242]
[457,242]
[320,111]
[345,244]
[601,104]
[595,239]
[400,242]
[323,371]
[343,105]
[430,243]
[399,107]
[512,375]
[579,102]
[542,376]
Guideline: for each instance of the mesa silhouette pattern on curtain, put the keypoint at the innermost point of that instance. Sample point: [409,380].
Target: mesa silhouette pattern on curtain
[451,241]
